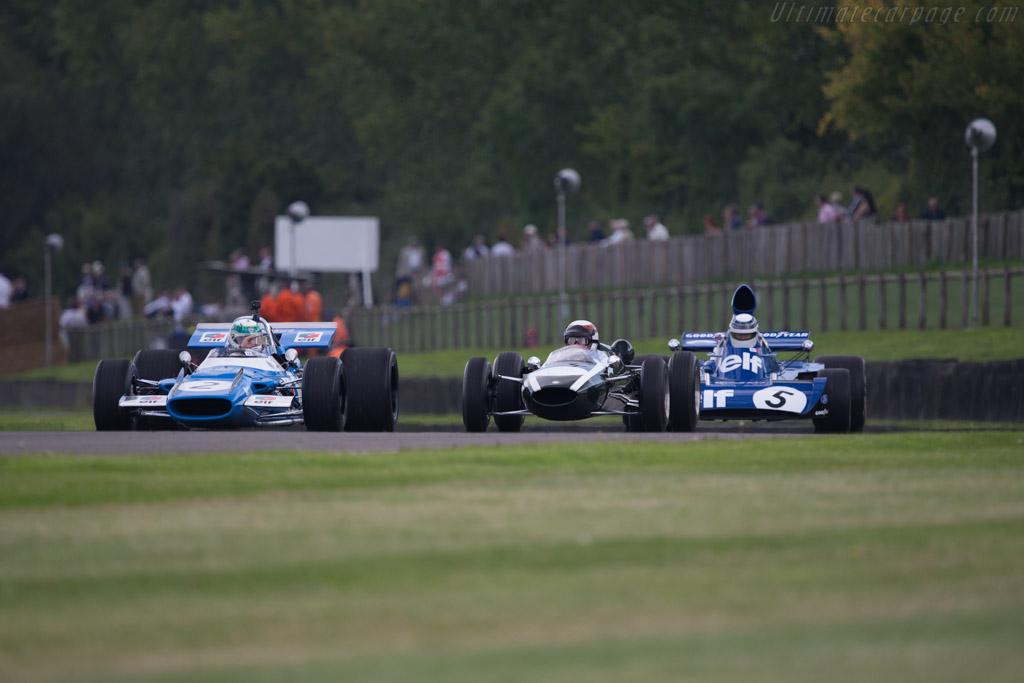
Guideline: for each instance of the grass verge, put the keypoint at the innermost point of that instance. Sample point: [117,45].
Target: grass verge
[892,557]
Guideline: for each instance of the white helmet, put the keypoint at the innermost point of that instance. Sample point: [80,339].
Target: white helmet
[247,333]
[743,331]
[580,332]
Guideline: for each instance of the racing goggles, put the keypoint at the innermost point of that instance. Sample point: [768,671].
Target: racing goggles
[583,341]
[743,336]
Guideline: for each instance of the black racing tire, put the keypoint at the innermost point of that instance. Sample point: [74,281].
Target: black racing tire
[371,389]
[508,395]
[684,391]
[641,357]
[113,379]
[654,396]
[323,394]
[476,395]
[837,388]
[858,386]
[157,364]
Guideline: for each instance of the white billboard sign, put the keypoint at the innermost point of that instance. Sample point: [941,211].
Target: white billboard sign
[327,244]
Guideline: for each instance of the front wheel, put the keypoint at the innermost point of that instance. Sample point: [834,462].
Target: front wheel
[837,389]
[113,379]
[371,389]
[323,395]
[476,395]
[654,397]
[508,395]
[684,391]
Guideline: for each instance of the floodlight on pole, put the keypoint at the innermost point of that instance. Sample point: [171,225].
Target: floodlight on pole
[54,243]
[567,181]
[297,212]
[980,136]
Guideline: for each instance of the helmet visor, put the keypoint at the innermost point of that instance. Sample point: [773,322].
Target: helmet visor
[743,336]
[585,341]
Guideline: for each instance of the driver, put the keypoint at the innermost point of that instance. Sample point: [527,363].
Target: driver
[581,332]
[743,332]
[248,335]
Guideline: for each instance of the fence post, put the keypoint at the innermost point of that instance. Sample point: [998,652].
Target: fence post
[984,298]
[785,305]
[942,299]
[881,302]
[921,299]
[842,302]
[862,311]
[903,301]
[823,301]
[709,296]
[667,305]
[1006,296]
[804,290]
[963,299]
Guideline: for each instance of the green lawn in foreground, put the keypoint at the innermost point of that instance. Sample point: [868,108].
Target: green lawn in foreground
[980,344]
[896,558]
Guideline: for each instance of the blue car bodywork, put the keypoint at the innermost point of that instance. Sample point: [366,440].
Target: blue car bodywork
[232,388]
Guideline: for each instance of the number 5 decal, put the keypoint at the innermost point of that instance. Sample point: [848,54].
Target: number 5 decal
[785,399]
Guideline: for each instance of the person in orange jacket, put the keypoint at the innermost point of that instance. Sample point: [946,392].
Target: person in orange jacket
[312,303]
[268,306]
[341,339]
[289,304]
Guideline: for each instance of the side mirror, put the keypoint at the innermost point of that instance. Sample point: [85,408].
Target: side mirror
[624,350]
[532,363]
[290,355]
[808,345]
[185,358]
[674,344]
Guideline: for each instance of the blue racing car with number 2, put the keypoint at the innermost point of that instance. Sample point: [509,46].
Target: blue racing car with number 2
[251,377]
[745,379]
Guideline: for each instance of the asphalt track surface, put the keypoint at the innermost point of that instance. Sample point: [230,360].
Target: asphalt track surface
[297,439]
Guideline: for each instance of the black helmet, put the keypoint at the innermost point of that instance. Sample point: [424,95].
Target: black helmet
[580,332]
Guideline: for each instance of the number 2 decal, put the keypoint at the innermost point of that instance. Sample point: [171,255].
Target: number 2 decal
[785,399]
[206,385]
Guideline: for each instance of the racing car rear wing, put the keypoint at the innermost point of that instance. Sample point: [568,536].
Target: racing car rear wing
[288,335]
[778,341]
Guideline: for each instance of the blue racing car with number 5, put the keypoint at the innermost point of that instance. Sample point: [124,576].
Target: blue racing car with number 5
[744,378]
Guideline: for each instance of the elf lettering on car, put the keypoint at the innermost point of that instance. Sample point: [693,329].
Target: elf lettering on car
[210,337]
[717,399]
[749,362]
[309,337]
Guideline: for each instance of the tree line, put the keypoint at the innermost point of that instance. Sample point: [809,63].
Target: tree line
[178,130]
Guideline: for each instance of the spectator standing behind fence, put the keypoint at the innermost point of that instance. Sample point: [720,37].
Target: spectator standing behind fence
[312,303]
[411,261]
[476,249]
[758,216]
[124,292]
[502,247]
[142,286]
[620,232]
[710,226]
[836,200]
[594,232]
[900,214]
[826,212]
[531,238]
[181,306]
[656,232]
[731,217]
[862,207]
[934,212]
[441,268]
[289,304]
[5,291]
[19,290]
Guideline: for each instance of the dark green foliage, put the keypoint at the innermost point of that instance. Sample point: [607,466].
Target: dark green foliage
[177,130]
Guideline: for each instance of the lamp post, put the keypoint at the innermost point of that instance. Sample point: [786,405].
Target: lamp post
[566,181]
[54,243]
[297,212]
[980,136]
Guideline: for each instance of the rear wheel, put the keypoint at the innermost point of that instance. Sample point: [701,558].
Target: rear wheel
[654,397]
[858,386]
[476,395]
[684,390]
[323,394]
[508,395]
[633,423]
[837,389]
[113,379]
[371,389]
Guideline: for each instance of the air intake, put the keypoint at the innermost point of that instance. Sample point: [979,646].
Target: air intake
[554,396]
[202,407]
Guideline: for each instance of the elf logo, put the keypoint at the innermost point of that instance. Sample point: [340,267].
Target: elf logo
[213,337]
[308,337]
[749,362]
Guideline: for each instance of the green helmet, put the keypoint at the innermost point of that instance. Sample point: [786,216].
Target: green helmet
[246,333]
